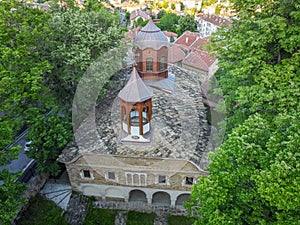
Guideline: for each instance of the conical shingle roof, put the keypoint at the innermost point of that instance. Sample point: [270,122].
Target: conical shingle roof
[151,36]
[135,90]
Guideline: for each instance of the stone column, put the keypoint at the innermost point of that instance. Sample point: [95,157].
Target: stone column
[149,200]
[173,202]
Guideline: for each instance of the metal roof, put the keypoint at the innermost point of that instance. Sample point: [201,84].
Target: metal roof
[135,90]
[151,36]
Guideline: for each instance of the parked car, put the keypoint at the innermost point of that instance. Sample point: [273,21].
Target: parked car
[27,146]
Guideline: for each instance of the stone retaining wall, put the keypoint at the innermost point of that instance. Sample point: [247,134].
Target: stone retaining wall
[141,207]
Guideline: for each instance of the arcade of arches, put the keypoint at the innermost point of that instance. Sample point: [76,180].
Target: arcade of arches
[131,194]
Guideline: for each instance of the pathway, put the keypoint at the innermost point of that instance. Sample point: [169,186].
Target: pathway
[58,190]
[161,219]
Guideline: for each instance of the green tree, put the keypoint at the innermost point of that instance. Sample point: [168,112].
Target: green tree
[172,39]
[140,22]
[23,94]
[187,23]
[94,5]
[165,4]
[173,6]
[49,136]
[217,9]
[10,196]
[161,13]
[43,56]
[182,6]
[260,61]
[127,15]
[168,22]
[254,176]
[78,38]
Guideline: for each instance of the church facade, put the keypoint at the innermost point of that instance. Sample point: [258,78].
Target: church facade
[152,143]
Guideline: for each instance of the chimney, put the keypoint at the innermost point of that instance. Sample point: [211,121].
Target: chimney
[186,40]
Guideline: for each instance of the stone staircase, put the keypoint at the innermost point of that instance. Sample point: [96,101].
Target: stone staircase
[57,192]
[121,218]
[161,219]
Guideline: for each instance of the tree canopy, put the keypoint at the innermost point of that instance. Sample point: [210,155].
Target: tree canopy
[187,23]
[22,92]
[254,175]
[43,56]
[168,22]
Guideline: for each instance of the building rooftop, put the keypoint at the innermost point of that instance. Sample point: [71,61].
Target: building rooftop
[169,34]
[199,43]
[216,20]
[136,13]
[199,59]
[187,38]
[176,54]
[135,90]
[150,36]
[179,125]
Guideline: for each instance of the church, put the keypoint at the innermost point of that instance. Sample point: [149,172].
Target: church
[153,135]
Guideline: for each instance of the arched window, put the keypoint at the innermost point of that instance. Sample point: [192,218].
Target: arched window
[149,64]
[145,115]
[138,62]
[134,117]
[124,114]
[162,63]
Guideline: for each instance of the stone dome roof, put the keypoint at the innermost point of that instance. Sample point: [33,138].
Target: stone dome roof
[135,90]
[151,36]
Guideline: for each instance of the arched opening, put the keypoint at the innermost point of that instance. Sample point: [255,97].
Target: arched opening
[181,199]
[161,198]
[162,63]
[134,117]
[149,64]
[137,196]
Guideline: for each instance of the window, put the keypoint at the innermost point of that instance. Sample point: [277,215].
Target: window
[86,174]
[145,115]
[162,63]
[111,175]
[138,62]
[149,64]
[162,179]
[134,117]
[189,180]
[136,179]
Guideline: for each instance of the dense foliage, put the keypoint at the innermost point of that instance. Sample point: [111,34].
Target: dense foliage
[187,23]
[254,175]
[177,24]
[43,56]
[41,211]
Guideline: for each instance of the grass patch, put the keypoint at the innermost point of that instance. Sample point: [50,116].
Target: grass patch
[139,218]
[42,211]
[179,220]
[100,216]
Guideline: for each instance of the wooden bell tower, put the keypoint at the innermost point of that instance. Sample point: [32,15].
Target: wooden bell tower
[136,109]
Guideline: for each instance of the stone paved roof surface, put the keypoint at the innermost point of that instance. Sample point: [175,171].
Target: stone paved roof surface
[179,124]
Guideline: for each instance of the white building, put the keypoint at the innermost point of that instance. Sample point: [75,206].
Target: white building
[207,24]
